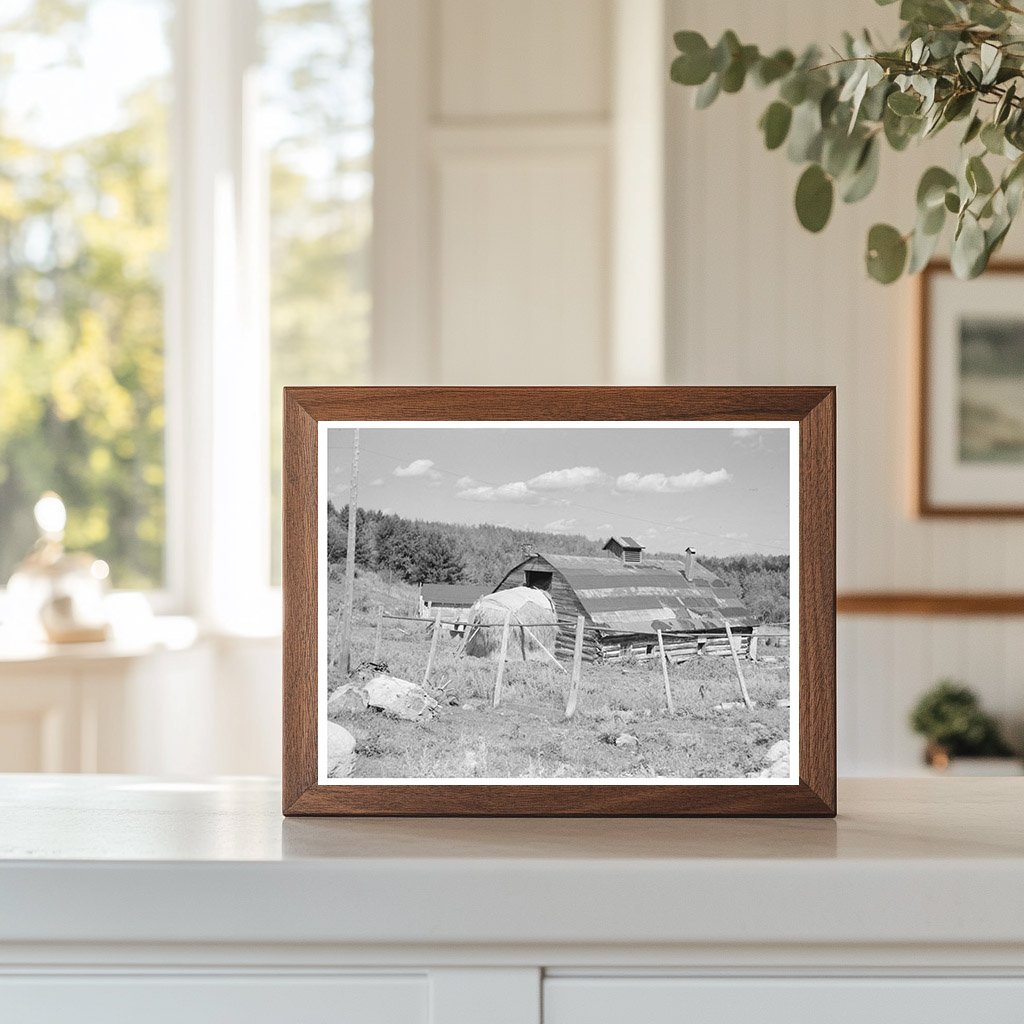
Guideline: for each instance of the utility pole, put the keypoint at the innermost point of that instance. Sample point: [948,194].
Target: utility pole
[350,559]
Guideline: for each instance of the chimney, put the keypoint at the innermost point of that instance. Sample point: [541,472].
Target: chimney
[688,564]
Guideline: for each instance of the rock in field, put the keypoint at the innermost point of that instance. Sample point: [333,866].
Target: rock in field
[341,751]
[778,761]
[399,699]
[626,739]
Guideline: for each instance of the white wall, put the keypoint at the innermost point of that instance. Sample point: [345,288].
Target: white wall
[754,299]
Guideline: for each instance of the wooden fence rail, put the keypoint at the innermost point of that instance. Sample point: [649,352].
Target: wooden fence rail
[579,642]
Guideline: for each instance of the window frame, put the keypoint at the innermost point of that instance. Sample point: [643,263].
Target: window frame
[216,338]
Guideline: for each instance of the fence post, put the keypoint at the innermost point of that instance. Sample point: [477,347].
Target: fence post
[380,627]
[739,671]
[433,647]
[501,658]
[752,647]
[577,666]
[664,672]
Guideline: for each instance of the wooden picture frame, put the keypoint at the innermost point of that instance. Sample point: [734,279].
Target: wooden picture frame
[941,490]
[809,415]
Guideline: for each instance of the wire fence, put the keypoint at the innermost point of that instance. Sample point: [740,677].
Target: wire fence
[571,640]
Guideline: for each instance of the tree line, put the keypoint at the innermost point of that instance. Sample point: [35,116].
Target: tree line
[426,552]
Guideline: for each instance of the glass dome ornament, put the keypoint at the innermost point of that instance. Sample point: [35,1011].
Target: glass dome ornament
[56,595]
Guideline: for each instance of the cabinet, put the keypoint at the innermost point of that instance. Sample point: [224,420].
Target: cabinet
[128,898]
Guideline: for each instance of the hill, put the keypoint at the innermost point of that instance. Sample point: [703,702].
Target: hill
[421,551]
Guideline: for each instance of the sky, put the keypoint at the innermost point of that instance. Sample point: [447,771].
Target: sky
[721,490]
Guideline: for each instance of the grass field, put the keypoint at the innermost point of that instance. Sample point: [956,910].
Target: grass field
[527,735]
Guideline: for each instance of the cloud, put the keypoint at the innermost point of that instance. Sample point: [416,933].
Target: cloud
[515,492]
[379,482]
[559,525]
[748,437]
[418,467]
[573,479]
[537,490]
[660,483]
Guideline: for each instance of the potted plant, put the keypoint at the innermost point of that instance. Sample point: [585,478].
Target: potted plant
[956,62]
[950,718]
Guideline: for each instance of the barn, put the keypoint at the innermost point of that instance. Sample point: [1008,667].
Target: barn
[448,598]
[628,598]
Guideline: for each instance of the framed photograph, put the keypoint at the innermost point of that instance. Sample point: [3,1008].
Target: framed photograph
[559,601]
[970,450]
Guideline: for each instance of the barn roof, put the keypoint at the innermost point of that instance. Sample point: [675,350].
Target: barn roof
[654,595]
[625,542]
[452,594]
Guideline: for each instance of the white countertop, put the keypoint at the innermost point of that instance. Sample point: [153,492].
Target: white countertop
[124,859]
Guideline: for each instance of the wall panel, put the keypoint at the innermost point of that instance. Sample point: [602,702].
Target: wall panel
[519,285]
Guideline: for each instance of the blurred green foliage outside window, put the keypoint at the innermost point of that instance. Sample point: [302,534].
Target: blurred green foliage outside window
[83,236]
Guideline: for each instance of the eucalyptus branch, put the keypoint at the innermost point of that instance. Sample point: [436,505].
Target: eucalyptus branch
[954,60]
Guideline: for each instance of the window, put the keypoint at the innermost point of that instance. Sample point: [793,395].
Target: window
[185,221]
[83,235]
[538,580]
[317,88]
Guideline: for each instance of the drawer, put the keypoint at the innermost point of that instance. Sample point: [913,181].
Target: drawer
[205,999]
[675,1000]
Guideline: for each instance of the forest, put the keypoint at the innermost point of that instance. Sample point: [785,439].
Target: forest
[427,552]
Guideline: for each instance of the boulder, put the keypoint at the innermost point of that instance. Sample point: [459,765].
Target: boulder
[778,761]
[341,751]
[344,701]
[626,739]
[399,698]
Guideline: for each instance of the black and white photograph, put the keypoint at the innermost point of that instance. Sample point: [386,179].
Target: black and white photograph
[573,602]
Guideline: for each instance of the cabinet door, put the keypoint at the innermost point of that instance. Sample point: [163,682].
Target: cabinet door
[783,1001]
[205,999]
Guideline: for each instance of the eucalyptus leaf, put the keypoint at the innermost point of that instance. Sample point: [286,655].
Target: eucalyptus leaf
[805,133]
[794,88]
[735,74]
[814,196]
[840,152]
[771,69]
[904,103]
[1005,105]
[886,253]
[707,93]
[922,248]
[724,51]
[931,190]
[987,15]
[991,60]
[775,124]
[993,138]
[978,176]
[865,173]
[968,248]
[973,130]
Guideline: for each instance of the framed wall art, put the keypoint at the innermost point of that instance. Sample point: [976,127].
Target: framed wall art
[559,601]
[970,445]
